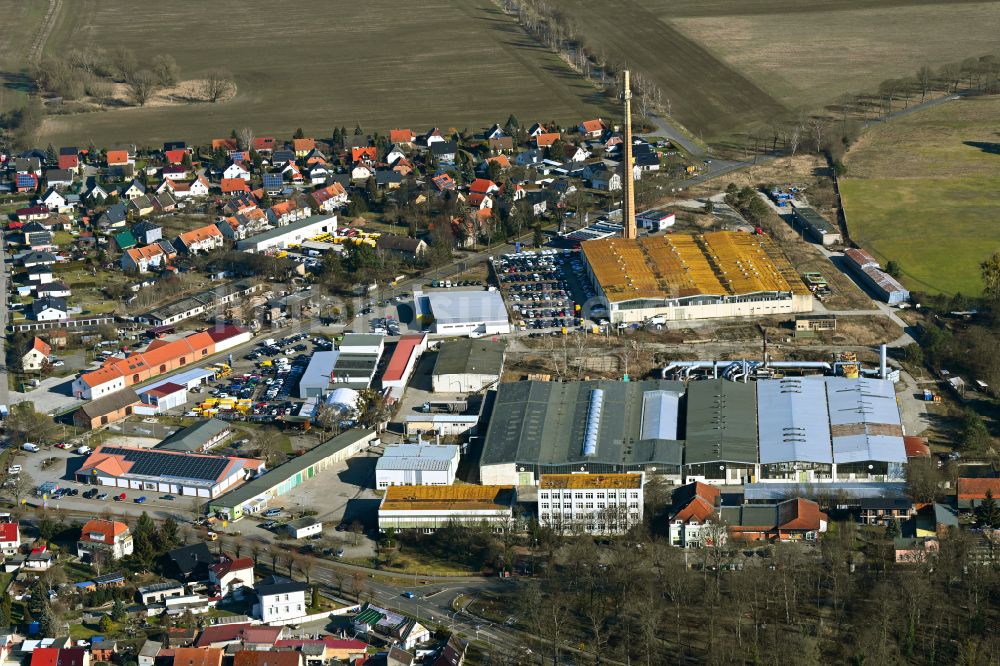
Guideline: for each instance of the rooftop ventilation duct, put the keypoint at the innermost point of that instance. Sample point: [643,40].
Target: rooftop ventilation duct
[593,422]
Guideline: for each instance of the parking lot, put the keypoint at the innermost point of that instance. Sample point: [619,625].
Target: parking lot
[545,291]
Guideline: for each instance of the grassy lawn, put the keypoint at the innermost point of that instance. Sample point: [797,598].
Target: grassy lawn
[925,191]
[476,68]
[83,632]
[21,22]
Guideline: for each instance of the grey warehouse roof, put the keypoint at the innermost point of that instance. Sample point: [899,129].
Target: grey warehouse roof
[544,423]
[459,307]
[317,373]
[193,437]
[792,420]
[864,419]
[425,457]
[466,356]
[721,422]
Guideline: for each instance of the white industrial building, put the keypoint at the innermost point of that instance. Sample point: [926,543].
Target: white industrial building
[428,508]
[353,365]
[467,366]
[462,312]
[303,528]
[445,425]
[295,233]
[590,503]
[401,363]
[417,465]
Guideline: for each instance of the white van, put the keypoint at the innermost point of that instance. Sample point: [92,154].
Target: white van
[83,450]
[31,448]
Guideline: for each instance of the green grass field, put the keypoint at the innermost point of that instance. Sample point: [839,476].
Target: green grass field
[318,64]
[925,191]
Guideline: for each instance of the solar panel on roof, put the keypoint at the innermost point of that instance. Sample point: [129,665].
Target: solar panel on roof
[158,463]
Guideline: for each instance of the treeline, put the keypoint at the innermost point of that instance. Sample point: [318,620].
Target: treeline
[843,602]
[558,30]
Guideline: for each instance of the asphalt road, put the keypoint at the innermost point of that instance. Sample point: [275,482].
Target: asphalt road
[4,277]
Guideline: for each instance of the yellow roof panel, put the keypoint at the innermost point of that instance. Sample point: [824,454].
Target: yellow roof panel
[435,498]
[719,263]
[592,481]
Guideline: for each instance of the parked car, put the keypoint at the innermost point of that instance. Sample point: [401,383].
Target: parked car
[120,498]
[14,469]
[102,496]
[90,494]
[140,500]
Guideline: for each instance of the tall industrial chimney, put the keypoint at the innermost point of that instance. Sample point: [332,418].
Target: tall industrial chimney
[628,182]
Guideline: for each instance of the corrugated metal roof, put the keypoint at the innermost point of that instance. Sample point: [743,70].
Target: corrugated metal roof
[317,374]
[543,423]
[459,307]
[865,420]
[721,422]
[660,413]
[470,357]
[792,420]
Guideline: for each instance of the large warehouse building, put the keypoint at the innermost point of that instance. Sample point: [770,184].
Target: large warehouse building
[465,366]
[679,276]
[462,312]
[593,426]
[158,470]
[254,496]
[797,430]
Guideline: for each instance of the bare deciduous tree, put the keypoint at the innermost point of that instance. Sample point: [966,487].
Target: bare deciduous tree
[216,85]
[244,138]
[141,86]
[166,69]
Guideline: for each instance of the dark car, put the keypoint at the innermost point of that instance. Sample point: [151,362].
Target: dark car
[90,494]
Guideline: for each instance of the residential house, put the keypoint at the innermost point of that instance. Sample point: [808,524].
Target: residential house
[40,275]
[53,200]
[483,186]
[580,154]
[26,182]
[185,190]
[282,157]
[37,236]
[393,154]
[592,129]
[402,137]
[692,521]
[388,179]
[118,158]
[123,240]
[174,173]
[264,144]
[432,136]
[273,184]
[110,537]
[453,652]
[884,510]
[189,563]
[233,634]
[971,492]
[236,170]
[286,212]
[114,217]
[269,658]
[361,172]
[292,174]
[175,157]
[142,259]
[404,246]
[536,130]
[547,139]
[444,151]
[147,232]
[10,538]
[163,202]
[494,132]
[69,158]
[53,290]
[141,206]
[791,520]
[60,656]
[279,598]
[234,185]
[49,309]
[132,190]
[914,550]
[364,155]
[28,165]
[32,214]
[203,239]
[38,258]
[111,408]
[59,178]
[37,355]
[328,199]
[229,145]
[317,174]
[231,574]
[443,182]
[302,147]
[529,158]
[500,145]
[603,178]
[933,520]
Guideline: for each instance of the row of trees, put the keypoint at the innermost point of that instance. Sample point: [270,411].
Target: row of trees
[556,28]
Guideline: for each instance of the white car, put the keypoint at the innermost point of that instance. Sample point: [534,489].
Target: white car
[58,364]
[14,469]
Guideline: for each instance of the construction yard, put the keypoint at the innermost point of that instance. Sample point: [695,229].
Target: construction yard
[445,63]
[928,183]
